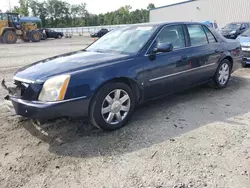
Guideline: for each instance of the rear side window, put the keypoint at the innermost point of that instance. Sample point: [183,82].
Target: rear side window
[197,35]
[172,34]
[210,36]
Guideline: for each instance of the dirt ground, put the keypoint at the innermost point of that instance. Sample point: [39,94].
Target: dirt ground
[197,138]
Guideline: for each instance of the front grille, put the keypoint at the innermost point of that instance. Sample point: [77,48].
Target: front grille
[246,54]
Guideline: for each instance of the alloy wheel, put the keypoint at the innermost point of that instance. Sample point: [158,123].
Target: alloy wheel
[224,73]
[116,106]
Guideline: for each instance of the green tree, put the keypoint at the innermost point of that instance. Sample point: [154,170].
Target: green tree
[24,7]
[151,6]
[39,9]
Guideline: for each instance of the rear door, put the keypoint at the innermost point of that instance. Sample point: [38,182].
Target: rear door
[204,53]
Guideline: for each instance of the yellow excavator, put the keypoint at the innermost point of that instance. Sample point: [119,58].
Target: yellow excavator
[13,27]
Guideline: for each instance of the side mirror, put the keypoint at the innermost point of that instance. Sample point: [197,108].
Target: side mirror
[163,47]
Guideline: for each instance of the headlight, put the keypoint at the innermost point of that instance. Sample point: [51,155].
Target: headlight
[232,32]
[54,89]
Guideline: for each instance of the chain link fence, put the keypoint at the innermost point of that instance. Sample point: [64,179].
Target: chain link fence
[84,31]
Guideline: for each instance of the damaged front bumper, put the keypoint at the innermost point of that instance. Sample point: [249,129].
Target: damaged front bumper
[45,111]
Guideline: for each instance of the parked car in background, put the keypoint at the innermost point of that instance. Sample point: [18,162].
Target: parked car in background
[233,30]
[48,33]
[99,34]
[244,40]
[211,24]
[123,69]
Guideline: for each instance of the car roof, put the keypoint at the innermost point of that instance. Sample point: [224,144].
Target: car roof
[238,22]
[164,23]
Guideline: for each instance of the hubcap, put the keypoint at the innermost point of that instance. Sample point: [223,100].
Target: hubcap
[224,73]
[10,37]
[36,36]
[115,106]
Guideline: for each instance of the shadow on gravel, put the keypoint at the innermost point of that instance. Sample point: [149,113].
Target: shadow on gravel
[152,123]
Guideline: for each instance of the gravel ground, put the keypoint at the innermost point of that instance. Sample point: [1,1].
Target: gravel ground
[197,138]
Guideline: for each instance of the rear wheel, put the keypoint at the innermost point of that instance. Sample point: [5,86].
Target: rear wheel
[9,37]
[35,36]
[112,106]
[59,36]
[223,74]
[244,64]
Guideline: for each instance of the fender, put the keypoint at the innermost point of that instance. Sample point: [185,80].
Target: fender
[4,29]
[83,83]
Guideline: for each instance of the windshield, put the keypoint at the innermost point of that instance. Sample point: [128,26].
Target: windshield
[125,40]
[232,26]
[246,33]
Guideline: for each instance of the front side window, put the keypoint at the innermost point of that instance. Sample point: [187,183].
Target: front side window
[210,36]
[172,34]
[197,35]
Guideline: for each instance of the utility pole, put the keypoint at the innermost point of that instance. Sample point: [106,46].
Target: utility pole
[10,5]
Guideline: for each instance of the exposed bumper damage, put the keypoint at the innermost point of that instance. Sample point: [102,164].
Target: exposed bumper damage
[17,100]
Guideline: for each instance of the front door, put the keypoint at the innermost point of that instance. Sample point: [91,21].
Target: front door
[165,72]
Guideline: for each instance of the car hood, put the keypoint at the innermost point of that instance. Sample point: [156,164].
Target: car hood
[244,41]
[227,31]
[65,64]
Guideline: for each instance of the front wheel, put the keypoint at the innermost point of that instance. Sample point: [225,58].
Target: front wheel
[112,106]
[243,64]
[9,37]
[223,74]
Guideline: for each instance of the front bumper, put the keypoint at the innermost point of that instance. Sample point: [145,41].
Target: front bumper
[46,111]
[246,60]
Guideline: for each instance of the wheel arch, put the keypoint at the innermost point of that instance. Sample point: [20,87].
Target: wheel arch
[128,81]
[230,59]
[7,29]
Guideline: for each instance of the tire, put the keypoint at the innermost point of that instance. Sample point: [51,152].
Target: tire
[35,36]
[9,37]
[243,64]
[223,74]
[97,114]
[59,36]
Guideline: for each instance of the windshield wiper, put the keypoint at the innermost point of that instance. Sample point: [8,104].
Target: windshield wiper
[244,35]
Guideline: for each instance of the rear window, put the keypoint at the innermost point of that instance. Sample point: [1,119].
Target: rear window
[197,35]
[210,36]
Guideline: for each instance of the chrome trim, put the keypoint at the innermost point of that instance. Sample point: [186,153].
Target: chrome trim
[174,74]
[24,80]
[57,102]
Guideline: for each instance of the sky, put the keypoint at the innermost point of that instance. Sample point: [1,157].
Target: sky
[103,6]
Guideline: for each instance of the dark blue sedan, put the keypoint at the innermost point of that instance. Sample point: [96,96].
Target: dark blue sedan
[126,67]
